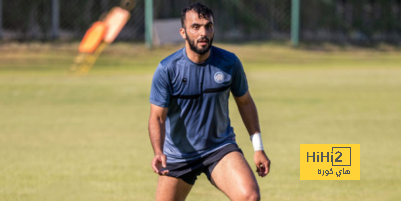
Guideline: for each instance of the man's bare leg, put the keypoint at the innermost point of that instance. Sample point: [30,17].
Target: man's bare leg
[234,177]
[172,189]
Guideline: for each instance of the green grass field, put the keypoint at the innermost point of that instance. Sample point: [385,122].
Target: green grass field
[85,138]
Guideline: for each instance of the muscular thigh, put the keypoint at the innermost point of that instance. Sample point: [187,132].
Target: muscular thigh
[172,189]
[234,177]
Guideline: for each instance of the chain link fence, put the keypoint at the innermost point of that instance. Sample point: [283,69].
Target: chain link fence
[356,21]
[32,20]
[239,20]
[351,21]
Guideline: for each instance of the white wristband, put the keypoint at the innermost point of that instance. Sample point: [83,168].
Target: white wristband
[257,142]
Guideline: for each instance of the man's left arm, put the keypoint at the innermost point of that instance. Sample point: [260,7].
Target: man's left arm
[249,115]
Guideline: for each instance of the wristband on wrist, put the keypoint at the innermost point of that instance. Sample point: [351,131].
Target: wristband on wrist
[257,142]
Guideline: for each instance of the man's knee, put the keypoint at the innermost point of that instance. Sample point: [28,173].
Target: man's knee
[250,195]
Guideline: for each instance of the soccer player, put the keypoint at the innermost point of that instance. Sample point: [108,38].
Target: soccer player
[189,125]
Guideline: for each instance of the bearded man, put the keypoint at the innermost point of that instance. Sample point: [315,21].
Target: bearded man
[189,124]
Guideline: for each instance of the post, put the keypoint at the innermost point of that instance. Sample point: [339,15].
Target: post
[295,18]
[1,19]
[149,23]
[55,18]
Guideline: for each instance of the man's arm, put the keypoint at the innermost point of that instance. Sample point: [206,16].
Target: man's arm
[249,115]
[157,131]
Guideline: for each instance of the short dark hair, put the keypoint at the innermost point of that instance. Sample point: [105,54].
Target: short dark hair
[202,10]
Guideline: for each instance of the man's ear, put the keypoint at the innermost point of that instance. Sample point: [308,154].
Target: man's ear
[182,32]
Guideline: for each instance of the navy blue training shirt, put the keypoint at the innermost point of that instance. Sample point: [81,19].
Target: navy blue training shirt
[196,95]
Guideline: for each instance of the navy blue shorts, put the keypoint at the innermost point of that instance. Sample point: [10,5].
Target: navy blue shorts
[189,171]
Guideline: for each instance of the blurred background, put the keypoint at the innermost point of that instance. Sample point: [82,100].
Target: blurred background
[340,21]
[319,71]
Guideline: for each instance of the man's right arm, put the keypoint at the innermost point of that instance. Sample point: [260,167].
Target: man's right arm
[157,132]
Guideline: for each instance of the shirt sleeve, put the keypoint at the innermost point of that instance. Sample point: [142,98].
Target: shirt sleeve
[239,84]
[160,90]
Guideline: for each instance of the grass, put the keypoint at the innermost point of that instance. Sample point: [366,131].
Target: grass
[85,138]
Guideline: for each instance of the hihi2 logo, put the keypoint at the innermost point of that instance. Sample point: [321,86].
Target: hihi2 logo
[330,162]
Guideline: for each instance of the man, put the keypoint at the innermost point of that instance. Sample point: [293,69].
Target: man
[189,125]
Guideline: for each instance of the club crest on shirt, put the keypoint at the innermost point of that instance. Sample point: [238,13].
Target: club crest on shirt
[219,77]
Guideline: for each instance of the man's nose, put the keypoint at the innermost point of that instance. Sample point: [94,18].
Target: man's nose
[202,31]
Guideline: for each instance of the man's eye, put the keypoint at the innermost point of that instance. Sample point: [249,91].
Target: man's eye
[196,27]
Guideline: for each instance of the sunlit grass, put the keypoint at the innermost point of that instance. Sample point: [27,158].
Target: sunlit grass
[85,138]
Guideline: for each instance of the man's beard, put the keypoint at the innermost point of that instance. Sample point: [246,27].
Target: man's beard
[200,51]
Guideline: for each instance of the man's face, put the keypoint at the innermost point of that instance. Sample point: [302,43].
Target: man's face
[199,32]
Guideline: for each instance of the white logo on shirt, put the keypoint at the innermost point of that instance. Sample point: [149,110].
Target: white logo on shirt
[219,77]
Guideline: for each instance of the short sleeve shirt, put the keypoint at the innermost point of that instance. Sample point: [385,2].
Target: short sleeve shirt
[196,95]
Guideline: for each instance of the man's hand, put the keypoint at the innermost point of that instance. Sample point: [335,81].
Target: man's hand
[262,163]
[159,162]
